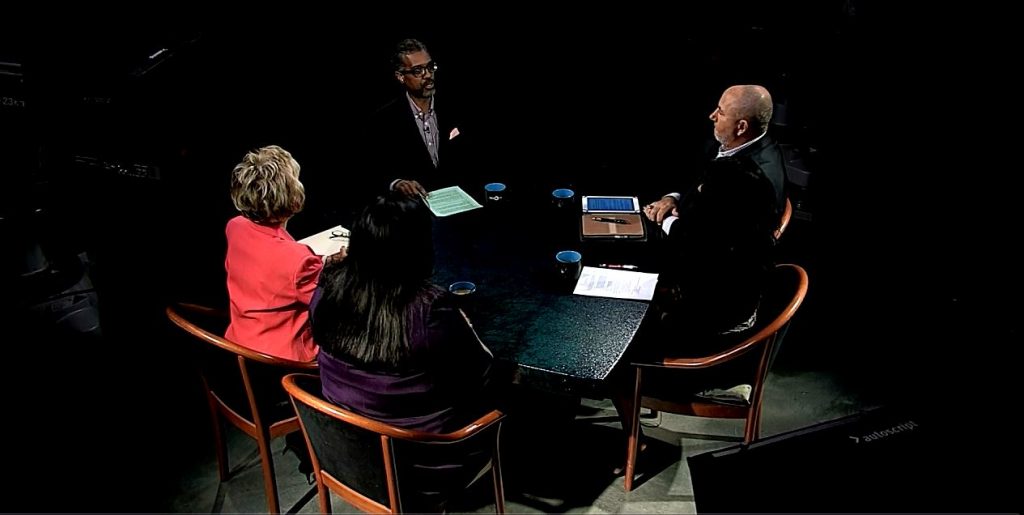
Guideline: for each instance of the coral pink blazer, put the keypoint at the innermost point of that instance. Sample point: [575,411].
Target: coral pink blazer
[271,279]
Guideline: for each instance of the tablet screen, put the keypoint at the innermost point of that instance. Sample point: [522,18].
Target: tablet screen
[611,204]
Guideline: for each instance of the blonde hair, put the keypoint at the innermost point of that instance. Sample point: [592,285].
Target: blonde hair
[265,186]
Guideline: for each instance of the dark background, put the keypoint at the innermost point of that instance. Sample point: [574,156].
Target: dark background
[914,280]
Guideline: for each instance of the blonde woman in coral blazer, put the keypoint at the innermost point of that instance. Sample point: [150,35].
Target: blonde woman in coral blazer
[271,277]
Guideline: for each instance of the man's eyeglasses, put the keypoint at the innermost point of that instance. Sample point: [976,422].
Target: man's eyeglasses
[421,70]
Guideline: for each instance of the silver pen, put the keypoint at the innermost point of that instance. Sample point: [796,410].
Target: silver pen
[619,267]
[610,220]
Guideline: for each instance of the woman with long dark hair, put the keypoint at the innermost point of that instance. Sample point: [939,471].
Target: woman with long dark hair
[394,347]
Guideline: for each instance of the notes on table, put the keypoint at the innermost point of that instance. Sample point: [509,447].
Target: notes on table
[449,201]
[616,284]
[325,243]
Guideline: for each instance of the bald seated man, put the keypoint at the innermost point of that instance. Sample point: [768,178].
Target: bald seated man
[741,127]
[717,253]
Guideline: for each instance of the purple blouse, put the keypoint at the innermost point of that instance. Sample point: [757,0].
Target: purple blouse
[440,389]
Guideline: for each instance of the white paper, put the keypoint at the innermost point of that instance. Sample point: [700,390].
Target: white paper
[325,243]
[450,200]
[616,284]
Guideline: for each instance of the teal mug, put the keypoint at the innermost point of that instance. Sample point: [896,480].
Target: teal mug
[569,264]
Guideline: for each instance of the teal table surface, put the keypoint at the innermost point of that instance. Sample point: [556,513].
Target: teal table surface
[544,336]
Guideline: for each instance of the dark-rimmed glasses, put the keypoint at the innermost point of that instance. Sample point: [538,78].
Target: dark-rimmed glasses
[421,70]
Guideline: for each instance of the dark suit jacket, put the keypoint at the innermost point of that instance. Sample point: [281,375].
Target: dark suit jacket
[397,150]
[767,155]
[721,246]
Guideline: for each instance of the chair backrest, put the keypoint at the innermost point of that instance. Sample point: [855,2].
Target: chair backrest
[243,387]
[784,293]
[372,464]
[787,214]
[247,381]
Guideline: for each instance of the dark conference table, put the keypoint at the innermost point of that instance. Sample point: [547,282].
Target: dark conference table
[548,338]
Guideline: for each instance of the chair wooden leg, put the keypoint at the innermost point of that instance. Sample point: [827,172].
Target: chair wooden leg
[634,433]
[218,437]
[322,491]
[499,487]
[269,481]
[752,431]
[757,424]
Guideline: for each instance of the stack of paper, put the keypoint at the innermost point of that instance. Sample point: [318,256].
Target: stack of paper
[617,284]
[325,243]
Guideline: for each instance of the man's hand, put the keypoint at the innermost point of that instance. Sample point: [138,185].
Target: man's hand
[656,211]
[410,188]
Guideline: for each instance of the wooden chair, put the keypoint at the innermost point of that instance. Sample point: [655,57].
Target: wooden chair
[368,463]
[242,387]
[787,214]
[786,292]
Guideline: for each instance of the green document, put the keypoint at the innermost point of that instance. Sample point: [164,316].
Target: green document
[449,201]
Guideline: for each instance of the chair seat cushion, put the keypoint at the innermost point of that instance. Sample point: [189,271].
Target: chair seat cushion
[738,395]
[699,384]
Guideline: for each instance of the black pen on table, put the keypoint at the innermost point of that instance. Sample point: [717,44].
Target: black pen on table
[610,220]
[617,266]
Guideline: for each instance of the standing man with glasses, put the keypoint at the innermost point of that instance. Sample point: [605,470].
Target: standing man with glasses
[414,144]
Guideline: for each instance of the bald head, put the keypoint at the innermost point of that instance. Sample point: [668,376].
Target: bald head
[752,103]
[742,115]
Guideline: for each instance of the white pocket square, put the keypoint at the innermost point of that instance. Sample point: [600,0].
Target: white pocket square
[453,133]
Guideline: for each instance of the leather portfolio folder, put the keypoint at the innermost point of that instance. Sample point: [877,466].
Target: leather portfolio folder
[612,226]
